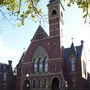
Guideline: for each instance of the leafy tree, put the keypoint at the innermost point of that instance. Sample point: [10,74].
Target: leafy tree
[83,4]
[25,8]
[21,9]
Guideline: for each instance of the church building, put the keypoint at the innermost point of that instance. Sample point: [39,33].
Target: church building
[47,65]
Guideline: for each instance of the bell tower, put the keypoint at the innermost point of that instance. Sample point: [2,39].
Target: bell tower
[55,16]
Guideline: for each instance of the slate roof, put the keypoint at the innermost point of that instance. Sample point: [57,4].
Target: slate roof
[67,52]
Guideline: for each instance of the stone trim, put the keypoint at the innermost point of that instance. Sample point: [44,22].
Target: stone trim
[44,38]
[55,59]
[48,60]
[45,74]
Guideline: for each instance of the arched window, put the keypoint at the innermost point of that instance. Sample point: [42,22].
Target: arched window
[40,65]
[72,64]
[73,82]
[35,66]
[54,12]
[34,83]
[26,85]
[45,83]
[45,64]
[39,83]
[55,84]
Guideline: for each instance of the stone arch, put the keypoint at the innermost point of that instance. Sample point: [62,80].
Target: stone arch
[45,82]
[55,83]
[39,55]
[45,64]
[26,85]
[40,51]
[54,12]
[35,65]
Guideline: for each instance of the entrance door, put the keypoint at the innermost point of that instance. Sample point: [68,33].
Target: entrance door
[55,84]
[26,85]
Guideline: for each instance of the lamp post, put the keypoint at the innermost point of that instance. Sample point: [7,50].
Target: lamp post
[66,85]
[27,75]
[27,84]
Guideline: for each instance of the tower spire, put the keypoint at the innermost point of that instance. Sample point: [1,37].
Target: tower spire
[55,14]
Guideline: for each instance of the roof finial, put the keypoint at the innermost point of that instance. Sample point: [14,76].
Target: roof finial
[82,42]
[72,39]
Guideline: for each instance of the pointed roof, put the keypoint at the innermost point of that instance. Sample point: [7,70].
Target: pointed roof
[40,34]
[55,1]
[73,49]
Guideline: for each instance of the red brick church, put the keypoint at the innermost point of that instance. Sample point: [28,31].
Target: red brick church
[47,65]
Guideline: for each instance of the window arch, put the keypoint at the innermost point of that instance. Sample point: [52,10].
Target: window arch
[40,65]
[73,64]
[26,85]
[45,64]
[45,83]
[54,12]
[34,83]
[55,84]
[35,65]
[73,83]
[39,83]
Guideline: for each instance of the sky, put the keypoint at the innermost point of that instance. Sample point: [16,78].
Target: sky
[15,40]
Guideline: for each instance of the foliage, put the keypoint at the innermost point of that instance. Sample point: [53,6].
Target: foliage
[22,9]
[83,4]
[29,8]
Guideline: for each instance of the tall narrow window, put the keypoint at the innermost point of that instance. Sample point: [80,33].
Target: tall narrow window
[54,12]
[45,83]
[4,67]
[54,47]
[40,65]
[72,64]
[54,31]
[73,83]
[34,84]
[39,83]
[55,68]
[5,76]
[35,66]
[45,64]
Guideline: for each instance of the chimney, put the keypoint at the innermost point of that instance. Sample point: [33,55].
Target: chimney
[10,62]
[82,42]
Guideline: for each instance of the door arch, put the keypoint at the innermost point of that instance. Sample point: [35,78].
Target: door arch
[55,84]
[26,85]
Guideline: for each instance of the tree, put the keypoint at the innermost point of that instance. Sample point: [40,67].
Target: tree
[21,9]
[29,8]
[83,4]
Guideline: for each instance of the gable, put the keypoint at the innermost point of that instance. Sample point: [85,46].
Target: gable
[67,52]
[73,49]
[40,34]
